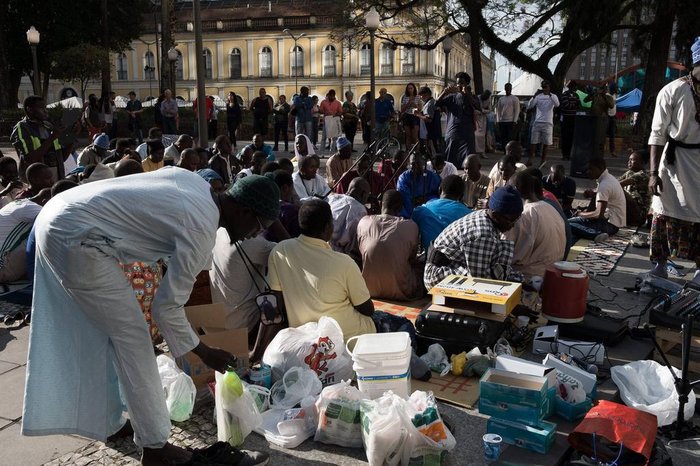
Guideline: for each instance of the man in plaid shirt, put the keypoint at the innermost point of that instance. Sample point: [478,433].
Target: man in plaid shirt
[473,246]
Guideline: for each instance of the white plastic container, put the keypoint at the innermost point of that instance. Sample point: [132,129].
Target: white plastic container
[382,362]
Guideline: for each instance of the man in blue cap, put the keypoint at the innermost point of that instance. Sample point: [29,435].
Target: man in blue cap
[675,170]
[340,162]
[90,349]
[473,246]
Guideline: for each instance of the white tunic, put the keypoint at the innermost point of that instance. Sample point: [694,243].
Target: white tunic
[674,116]
[308,189]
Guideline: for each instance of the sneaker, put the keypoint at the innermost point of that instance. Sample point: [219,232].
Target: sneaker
[602,237]
[253,458]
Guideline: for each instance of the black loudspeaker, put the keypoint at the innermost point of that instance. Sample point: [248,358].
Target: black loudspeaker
[589,136]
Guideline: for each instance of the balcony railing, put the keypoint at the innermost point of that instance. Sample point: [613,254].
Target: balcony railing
[245,24]
[364,70]
[329,71]
[265,72]
[297,71]
[122,75]
[408,68]
[236,73]
[386,70]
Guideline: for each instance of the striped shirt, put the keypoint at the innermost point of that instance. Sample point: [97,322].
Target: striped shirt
[16,220]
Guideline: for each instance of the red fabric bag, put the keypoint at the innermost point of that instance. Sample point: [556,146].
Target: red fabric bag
[608,426]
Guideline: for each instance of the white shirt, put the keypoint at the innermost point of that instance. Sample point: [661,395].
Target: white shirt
[447,170]
[613,111]
[674,116]
[495,173]
[508,109]
[232,285]
[610,190]
[16,220]
[347,213]
[171,153]
[545,105]
[310,188]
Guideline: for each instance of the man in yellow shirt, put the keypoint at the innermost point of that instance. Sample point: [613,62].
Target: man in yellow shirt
[156,151]
[312,280]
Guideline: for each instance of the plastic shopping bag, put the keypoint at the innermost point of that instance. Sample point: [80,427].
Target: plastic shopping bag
[296,384]
[317,345]
[648,386]
[610,427]
[384,432]
[180,391]
[339,416]
[430,439]
[436,359]
[236,409]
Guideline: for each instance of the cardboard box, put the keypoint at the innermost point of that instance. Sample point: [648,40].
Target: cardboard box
[587,379]
[518,397]
[521,366]
[208,321]
[465,292]
[467,311]
[539,438]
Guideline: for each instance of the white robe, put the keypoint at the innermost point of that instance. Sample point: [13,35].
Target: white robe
[347,213]
[674,116]
[309,189]
[88,332]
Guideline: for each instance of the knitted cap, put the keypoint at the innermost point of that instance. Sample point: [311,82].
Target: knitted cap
[258,193]
[342,142]
[209,175]
[101,141]
[507,201]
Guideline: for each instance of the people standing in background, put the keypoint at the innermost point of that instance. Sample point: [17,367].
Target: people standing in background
[212,118]
[383,112]
[91,117]
[366,118]
[332,110]
[543,125]
[234,116]
[507,114]
[301,111]
[170,113]
[315,115]
[410,103]
[134,109]
[570,105]
[281,111]
[429,118]
[601,103]
[481,122]
[461,105]
[612,121]
[350,117]
[106,112]
[157,113]
[115,116]
[261,107]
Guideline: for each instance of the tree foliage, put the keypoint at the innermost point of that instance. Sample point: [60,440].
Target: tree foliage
[81,63]
[61,25]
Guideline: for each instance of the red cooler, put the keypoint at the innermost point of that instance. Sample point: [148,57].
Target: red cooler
[564,293]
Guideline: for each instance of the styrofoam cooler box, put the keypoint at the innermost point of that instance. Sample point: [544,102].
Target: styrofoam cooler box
[382,362]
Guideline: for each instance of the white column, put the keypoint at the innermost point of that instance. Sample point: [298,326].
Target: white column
[192,62]
[135,73]
[312,56]
[220,59]
[281,52]
[250,60]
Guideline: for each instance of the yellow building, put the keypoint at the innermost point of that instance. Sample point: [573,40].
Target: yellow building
[245,49]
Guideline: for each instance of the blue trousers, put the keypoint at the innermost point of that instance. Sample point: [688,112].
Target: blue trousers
[589,228]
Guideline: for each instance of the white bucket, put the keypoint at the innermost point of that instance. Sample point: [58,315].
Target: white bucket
[382,362]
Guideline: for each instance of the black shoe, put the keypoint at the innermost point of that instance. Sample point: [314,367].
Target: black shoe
[222,453]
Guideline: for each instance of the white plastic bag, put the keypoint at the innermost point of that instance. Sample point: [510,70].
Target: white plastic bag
[430,439]
[236,413]
[384,432]
[296,384]
[180,391]
[437,360]
[648,386]
[317,346]
[339,416]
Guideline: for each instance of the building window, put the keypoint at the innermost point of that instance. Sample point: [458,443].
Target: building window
[206,53]
[329,60]
[121,67]
[235,69]
[296,61]
[408,60]
[149,66]
[179,70]
[364,60]
[266,62]
[386,60]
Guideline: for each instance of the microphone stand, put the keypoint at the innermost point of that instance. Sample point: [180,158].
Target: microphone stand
[396,173]
[369,149]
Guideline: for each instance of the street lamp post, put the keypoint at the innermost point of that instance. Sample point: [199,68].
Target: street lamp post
[172,58]
[33,37]
[296,57]
[372,24]
[447,48]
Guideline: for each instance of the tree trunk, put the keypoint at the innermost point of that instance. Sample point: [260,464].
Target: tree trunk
[106,66]
[475,46]
[662,30]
